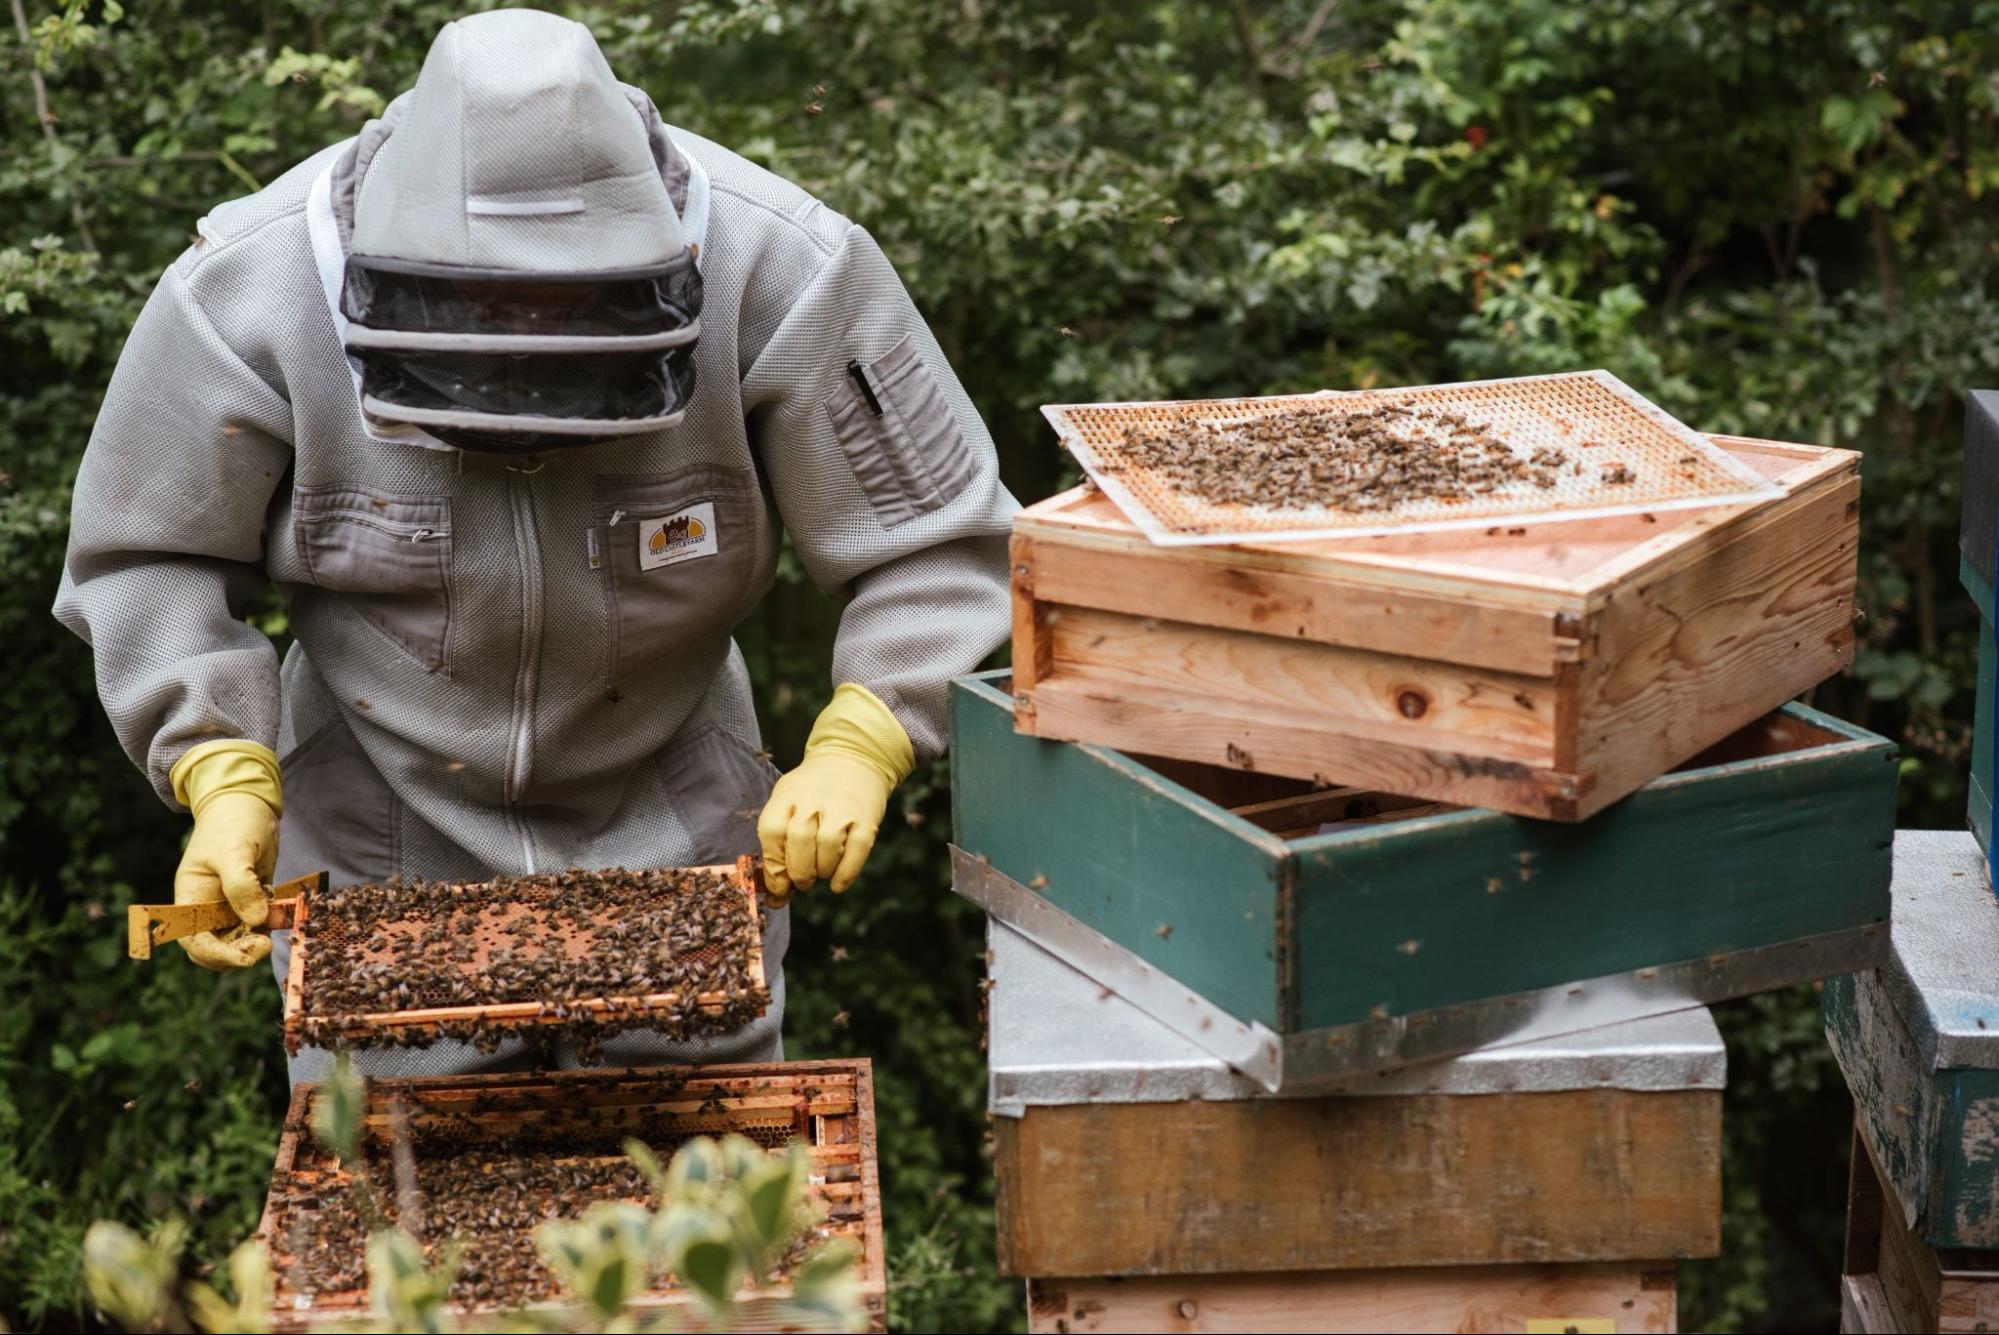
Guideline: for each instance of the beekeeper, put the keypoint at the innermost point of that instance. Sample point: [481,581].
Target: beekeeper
[512,395]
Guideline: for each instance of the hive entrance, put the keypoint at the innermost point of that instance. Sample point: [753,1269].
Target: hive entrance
[1373,462]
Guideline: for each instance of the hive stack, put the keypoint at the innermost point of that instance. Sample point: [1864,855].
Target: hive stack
[1918,1038]
[1333,808]
[1918,1041]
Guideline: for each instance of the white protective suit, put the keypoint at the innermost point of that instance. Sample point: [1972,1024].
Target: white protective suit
[515,665]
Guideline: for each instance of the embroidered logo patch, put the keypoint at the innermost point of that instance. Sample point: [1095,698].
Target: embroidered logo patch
[678,537]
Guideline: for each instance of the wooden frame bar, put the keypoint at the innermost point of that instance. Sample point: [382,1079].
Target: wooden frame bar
[1629,1295]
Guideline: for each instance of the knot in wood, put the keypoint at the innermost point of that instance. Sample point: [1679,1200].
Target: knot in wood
[1413,703]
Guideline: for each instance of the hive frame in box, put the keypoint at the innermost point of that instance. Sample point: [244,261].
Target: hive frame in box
[744,873]
[1544,671]
[828,1104]
[1538,408]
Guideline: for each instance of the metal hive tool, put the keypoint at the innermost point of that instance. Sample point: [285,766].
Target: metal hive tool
[1597,421]
[438,1010]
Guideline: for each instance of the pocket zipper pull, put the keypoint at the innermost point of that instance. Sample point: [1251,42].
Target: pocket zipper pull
[423,535]
[867,390]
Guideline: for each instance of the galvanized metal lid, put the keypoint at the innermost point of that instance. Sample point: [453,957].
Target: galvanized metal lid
[1943,967]
[1056,1037]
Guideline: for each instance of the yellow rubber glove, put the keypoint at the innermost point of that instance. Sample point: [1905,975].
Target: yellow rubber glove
[233,789]
[822,817]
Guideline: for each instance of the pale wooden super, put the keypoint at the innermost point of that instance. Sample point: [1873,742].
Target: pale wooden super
[1545,670]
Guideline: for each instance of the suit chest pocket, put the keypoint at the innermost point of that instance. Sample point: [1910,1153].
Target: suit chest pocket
[388,557]
[678,555]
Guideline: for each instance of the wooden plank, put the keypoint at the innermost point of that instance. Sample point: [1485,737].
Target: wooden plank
[1235,590]
[1864,1204]
[1383,697]
[1205,1188]
[1679,661]
[1863,1308]
[1221,731]
[1030,640]
[1416,915]
[1631,1295]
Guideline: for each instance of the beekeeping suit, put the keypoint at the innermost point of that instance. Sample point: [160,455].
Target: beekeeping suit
[512,395]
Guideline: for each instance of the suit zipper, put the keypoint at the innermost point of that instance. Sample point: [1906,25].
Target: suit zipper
[527,546]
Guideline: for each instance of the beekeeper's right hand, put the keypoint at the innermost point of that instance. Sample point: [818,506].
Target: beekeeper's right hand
[233,789]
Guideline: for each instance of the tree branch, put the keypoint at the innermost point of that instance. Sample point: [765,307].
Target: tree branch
[48,120]
[1245,35]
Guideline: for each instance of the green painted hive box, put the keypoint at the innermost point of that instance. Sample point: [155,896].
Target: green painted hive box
[1306,935]
[1918,1041]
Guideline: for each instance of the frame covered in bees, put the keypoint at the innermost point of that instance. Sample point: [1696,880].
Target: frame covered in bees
[1543,670]
[492,1156]
[678,951]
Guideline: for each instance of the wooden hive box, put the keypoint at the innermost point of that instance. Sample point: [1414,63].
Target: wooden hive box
[1122,1151]
[1893,1280]
[829,1105]
[1544,670]
[1403,932]
[1918,1041]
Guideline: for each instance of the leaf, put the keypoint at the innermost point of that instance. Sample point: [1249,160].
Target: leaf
[338,1109]
[712,1269]
[130,1278]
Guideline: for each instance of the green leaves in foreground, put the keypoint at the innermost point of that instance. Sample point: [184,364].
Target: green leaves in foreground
[731,1213]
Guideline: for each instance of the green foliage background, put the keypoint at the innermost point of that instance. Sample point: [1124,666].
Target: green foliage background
[1771,218]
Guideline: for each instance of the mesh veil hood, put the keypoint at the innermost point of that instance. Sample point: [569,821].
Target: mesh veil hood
[517,149]
[516,275]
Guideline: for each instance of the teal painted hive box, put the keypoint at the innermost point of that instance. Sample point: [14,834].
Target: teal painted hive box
[1305,935]
[1918,1041]
[1978,813]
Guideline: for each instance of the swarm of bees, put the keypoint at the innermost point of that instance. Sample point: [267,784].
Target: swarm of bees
[1365,461]
[677,939]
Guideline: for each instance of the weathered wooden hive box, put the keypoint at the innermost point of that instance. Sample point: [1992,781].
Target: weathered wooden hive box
[1918,1041]
[1545,670]
[1333,931]
[568,1127]
[1143,1185]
